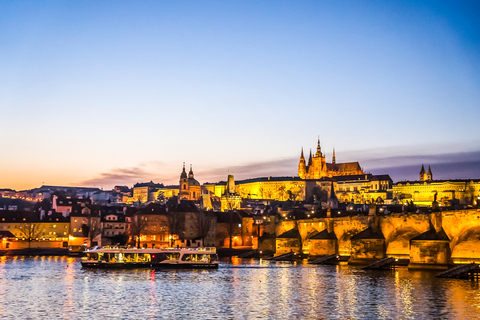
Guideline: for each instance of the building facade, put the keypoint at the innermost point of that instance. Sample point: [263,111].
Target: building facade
[317,166]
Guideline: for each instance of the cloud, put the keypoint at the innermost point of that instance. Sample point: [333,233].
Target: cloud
[465,165]
[117,176]
[277,167]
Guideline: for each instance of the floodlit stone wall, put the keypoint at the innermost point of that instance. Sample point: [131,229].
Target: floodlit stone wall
[462,228]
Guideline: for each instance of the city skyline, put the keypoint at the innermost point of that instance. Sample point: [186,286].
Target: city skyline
[95,94]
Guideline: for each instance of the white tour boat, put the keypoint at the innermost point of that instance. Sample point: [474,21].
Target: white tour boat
[122,258]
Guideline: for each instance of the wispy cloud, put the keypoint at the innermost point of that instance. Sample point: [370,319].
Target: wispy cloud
[117,176]
[276,167]
[402,167]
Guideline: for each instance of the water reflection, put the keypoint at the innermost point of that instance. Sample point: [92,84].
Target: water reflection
[57,287]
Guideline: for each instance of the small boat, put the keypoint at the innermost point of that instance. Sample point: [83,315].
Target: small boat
[129,258]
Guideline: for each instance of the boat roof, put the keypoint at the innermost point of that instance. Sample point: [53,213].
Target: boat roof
[152,250]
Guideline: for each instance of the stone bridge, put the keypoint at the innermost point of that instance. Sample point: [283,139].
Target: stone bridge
[462,228]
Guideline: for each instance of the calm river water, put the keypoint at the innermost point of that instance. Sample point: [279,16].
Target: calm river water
[58,288]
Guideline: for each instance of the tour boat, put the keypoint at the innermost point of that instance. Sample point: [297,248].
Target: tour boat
[123,258]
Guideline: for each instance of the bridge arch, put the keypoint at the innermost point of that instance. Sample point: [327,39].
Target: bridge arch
[465,247]
[398,242]
[344,243]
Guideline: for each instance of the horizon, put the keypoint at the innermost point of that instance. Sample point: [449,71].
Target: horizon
[458,166]
[113,93]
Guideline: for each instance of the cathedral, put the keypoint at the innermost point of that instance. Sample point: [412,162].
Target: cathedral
[318,167]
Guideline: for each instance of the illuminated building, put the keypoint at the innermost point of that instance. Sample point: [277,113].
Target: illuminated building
[314,182]
[317,166]
[85,228]
[190,188]
[112,224]
[425,190]
[145,192]
[234,229]
[51,232]
[230,199]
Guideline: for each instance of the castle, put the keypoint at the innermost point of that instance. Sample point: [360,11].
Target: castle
[318,167]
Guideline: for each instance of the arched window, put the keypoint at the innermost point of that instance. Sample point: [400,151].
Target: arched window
[184,186]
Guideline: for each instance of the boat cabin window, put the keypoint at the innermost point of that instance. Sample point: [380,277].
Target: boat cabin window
[120,257]
[172,256]
[197,257]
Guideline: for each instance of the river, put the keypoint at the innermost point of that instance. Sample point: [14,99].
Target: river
[58,288]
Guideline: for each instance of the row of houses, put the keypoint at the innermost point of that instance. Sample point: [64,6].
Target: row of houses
[77,223]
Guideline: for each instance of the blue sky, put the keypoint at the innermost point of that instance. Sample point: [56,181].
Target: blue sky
[112,92]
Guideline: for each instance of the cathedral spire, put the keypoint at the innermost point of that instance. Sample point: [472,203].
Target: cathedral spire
[319,149]
[310,158]
[302,168]
[190,173]
[183,175]
[333,158]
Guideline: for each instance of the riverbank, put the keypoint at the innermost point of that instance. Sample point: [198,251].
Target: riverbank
[35,252]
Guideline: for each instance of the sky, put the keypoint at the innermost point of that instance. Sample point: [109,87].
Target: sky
[104,93]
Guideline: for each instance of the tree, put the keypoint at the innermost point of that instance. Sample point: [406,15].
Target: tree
[281,191]
[92,229]
[261,193]
[231,227]
[204,223]
[31,231]
[137,225]
[174,225]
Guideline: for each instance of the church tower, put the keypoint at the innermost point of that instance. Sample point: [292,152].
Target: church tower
[183,193]
[332,200]
[302,168]
[429,174]
[333,158]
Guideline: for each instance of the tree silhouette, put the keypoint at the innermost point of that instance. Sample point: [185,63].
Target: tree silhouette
[137,225]
[92,229]
[174,225]
[204,223]
[31,231]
